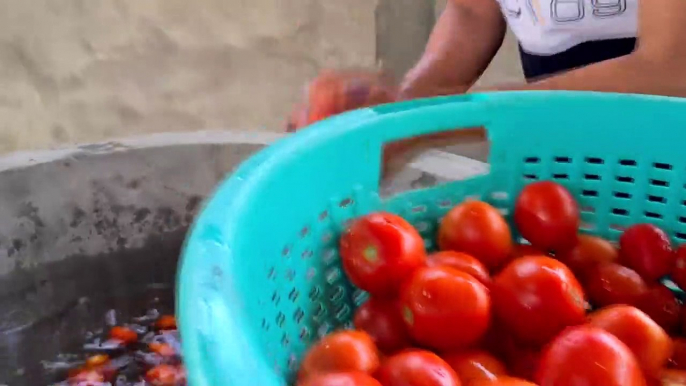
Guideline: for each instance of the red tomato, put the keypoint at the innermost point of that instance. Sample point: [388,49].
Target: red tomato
[384,323]
[379,251]
[342,351]
[504,381]
[166,322]
[588,252]
[679,272]
[611,283]
[417,368]
[672,378]
[462,262]
[646,339]
[587,355]
[124,334]
[445,309]
[165,375]
[478,229]
[647,249]
[678,359]
[341,379]
[547,216]
[536,297]
[662,306]
[473,366]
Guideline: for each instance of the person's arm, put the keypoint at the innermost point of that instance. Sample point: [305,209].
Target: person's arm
[657,66]
[464,41]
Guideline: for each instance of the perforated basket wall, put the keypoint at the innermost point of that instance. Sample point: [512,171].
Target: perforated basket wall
[260,277]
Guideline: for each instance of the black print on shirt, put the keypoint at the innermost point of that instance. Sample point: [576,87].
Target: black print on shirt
[569,11]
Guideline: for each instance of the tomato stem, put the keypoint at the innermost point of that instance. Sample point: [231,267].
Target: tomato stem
[371,254]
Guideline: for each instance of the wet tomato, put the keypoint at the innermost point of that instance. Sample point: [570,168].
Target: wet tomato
[588,252]
[587,355]
[462,262]
[124,334]
[445,309]
[341,379]
[647,249]
[417,368]
[478,229]
[379,251]
[536,297]
[662,306]
[473,366]
[679,271]
[504,381]
[382,320]
[342,351]
[646,339]
[547,216]
[165,375]
[678,358]
[611,283]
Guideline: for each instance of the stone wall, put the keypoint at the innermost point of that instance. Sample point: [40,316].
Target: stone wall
[82,71]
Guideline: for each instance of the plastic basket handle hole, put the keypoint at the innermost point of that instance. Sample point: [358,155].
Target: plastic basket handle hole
[430,160]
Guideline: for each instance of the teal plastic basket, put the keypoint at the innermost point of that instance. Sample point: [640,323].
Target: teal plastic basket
[260,278]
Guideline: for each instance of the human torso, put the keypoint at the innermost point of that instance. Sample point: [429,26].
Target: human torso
[549,29]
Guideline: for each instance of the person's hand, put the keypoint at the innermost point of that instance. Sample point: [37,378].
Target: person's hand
[336,91]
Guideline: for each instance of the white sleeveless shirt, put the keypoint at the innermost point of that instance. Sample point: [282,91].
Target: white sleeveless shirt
[548,27]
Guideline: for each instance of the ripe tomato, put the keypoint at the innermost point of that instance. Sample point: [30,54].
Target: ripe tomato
[678,359]
[611,283]
[165,375]
[342,351]
[87,377]
[124,334]
[504,381]
[587,355]
[588,252]
[662,306]
[647,249]
[547,216]
[166,322]
[536,297]
[97,360]
[472,366]
[646,339]
[384,323]
[417,368]
[478,229]
[462,262]
[445,309]
[379,251]
[341,379]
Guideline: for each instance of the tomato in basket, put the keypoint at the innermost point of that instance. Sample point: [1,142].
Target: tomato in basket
[536,297]
[417,367]
[474,366]
[478,229]
[379,251]
[587,355]
[589,252]
[647,249]
[462,262]
[445,309]
[342,351]
[547,215]
[383,321]
[341,379]
[611,283]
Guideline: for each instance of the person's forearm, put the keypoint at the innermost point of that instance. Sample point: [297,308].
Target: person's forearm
[628,74]
[460,48]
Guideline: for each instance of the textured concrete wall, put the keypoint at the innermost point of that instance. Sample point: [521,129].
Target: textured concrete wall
[83,71]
